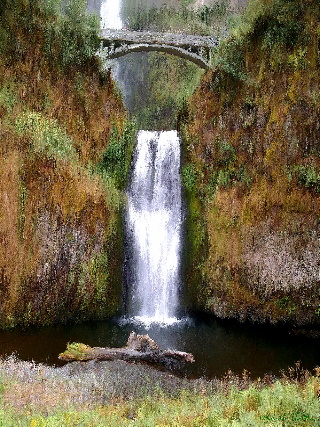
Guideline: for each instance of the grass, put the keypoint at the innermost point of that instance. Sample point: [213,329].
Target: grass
[120,394]
[46,136]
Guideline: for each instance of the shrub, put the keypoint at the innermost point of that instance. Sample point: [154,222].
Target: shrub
[189,177]
[231,58]
[65,32]
[117,157]
[226,153]
[308,176]
[77,34]
[8,96]
[276,24]
[46,136]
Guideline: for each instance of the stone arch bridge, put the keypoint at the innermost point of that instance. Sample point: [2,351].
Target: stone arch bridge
[197,49]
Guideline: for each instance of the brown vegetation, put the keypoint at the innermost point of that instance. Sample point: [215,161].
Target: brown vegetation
[252,140]
[58,217]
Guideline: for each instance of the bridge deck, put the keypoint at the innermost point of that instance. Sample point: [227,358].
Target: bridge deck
[173,39]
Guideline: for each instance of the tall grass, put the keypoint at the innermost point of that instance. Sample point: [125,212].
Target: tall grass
[117,394]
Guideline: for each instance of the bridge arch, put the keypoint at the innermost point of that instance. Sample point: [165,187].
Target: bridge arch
[172,50]
[197,49]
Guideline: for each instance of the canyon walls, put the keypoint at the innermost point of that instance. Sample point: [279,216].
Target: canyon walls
[251,170]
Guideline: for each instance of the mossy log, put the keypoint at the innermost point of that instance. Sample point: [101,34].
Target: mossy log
[139,348]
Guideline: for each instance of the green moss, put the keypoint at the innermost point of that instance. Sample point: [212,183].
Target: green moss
[76,351]
[47,137]
[308,177]
[189,177]
[195,249]
[116,159]
[8,95]
[287,305]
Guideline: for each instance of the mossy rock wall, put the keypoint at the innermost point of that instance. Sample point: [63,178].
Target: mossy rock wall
[251,137]
[60,211]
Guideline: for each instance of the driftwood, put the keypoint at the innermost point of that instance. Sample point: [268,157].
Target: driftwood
[139,348]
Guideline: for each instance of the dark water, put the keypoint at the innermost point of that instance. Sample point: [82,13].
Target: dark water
[217,346]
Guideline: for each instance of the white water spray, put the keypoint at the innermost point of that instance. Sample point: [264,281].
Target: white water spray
[154,222]
[110,14]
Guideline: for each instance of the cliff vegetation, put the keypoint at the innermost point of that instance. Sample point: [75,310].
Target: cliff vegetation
[252,169]
[61,120]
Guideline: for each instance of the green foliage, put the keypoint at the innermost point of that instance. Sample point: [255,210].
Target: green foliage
[8,95]
[189,177]
[46,136]
[308,176]
[277,19]
[224,171]
[170,81]
[51,90]
[276,25]
[286,304]
[77,34]
[166,18]
[226,153]
[209,14]
[297,59]
[117,157]
[66,32]
[231,59]
[206,19]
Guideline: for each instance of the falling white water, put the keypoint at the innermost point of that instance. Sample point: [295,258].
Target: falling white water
[110,14]
[154,220]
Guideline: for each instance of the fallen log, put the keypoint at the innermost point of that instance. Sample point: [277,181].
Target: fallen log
[139,348]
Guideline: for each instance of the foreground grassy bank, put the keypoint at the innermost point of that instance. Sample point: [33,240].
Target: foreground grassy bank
[116,393]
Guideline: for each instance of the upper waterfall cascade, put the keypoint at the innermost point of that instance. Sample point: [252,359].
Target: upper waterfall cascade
[154,221]
[110,14]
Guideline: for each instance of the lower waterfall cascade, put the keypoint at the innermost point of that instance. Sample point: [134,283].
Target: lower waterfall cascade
[154,227]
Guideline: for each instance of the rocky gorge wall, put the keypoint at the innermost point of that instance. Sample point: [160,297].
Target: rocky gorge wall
[251,170]
[60,231]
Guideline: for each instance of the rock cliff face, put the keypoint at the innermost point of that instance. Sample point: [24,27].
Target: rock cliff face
[60,233]
[251,170]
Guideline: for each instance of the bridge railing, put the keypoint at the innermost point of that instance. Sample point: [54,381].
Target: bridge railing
[173,39]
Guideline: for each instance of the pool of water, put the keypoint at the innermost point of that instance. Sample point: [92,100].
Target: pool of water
[216,345]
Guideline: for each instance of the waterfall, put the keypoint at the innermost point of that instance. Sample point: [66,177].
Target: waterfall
[154,220]
[110,14]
